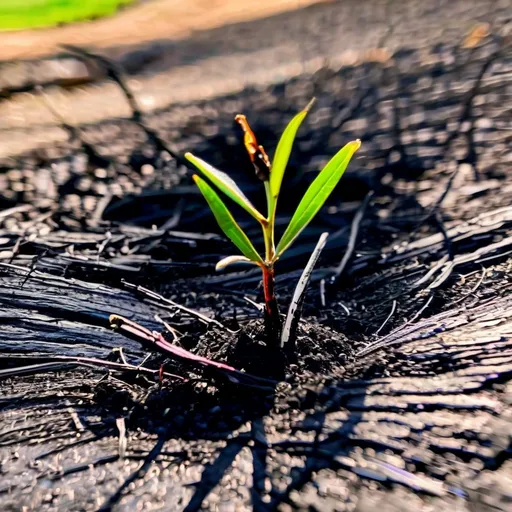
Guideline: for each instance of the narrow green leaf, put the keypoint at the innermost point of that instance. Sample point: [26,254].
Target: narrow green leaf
[226,221]
[284,148]
[225,184]
[317,194]
[229,260]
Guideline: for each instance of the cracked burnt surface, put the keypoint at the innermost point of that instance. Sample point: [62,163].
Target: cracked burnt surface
[401,398]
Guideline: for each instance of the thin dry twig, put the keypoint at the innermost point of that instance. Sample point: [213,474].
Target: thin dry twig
[120,424]
[474,289]
[391,313]
[295,310]
[55,363]
[116,74]
[161,301]
[354,231]
[256,305]
[155,340]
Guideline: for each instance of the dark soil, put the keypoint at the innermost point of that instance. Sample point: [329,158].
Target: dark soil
[399,394]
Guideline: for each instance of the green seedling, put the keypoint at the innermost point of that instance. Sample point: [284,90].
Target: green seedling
[272,176]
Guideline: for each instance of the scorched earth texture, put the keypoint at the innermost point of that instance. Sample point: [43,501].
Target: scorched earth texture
[401,395]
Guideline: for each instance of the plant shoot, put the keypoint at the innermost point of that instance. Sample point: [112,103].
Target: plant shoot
[271,174]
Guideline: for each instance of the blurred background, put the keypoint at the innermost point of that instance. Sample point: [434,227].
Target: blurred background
[99,97]
[176,51]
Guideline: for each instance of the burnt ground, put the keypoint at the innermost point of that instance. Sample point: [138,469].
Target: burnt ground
[400,396]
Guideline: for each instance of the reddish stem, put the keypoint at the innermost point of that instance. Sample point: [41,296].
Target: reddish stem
[272,319]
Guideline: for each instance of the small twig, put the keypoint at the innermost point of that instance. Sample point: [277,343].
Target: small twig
[259,307]
[33,265]
[58,362]
[168,303]
[417,483]
[445,274]
[103,245]
[144,360]
[295,310]
[154,340]
[322,293]
[391,313]
[433,210]
[119,350]
[122,436]
[475,288]
[16,248]
[465,116]
[440,264]
[113,70]
[344,308]
[354,231]
[175,334]
[115,73]
[396,335]
[419,312]
[449,266]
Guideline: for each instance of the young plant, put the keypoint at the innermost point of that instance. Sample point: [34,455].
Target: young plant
[272,176]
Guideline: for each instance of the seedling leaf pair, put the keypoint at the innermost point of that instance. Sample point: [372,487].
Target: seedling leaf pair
[315,197]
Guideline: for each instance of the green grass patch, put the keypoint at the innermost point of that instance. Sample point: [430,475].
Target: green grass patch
[26,14]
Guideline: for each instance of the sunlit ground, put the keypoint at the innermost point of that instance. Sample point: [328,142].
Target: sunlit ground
[22,14]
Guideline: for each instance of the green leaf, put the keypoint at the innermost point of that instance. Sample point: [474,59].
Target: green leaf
[284,148]
[225,184]
[226,221]
[229,260]
[317,194]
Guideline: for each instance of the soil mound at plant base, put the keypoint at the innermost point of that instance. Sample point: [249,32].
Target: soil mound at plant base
[318,350]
